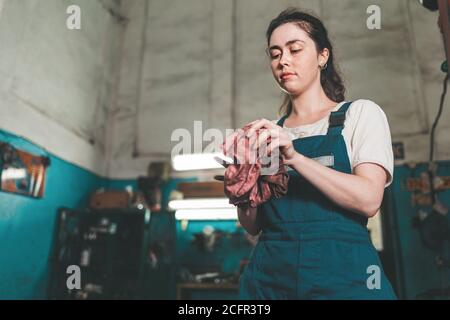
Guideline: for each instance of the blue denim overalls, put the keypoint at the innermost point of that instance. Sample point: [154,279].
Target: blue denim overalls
[310,248]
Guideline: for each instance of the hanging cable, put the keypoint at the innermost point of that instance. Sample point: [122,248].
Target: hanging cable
[433,129]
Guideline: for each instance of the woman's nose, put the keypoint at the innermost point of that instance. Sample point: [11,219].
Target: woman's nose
[285,59]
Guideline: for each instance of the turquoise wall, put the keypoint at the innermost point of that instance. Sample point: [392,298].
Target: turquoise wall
[416,266]
[27,224]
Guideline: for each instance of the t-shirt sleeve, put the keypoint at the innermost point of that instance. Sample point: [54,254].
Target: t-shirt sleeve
[371,140]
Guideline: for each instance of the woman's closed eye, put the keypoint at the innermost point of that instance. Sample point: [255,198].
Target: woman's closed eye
[295,50]
[275,55]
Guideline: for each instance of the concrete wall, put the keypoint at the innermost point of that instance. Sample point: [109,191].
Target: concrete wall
[205,61]
[56,84]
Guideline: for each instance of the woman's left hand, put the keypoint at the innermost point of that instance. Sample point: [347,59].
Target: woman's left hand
[279,138]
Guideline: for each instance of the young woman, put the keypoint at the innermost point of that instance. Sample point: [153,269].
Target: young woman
[313,241]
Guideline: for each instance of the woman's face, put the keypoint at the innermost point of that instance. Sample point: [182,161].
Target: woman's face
[294,59]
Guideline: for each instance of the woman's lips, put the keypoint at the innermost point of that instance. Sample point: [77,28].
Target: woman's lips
[287,76]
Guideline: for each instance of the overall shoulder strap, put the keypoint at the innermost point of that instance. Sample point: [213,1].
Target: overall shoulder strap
[337,119]
[281,121]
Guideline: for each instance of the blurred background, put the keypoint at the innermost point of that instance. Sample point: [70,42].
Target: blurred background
[91,92]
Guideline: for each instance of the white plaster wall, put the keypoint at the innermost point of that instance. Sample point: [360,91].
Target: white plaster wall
[56,84]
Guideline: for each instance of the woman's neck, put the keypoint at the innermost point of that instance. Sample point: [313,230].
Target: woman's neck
[311,103]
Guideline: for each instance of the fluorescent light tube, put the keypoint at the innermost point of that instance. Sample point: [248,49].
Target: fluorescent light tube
[200,203]
[207,214]
[198,161]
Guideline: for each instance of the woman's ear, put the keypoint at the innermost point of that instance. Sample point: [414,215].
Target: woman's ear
[323,57]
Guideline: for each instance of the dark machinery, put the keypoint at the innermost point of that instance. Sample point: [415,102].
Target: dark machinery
[107,245]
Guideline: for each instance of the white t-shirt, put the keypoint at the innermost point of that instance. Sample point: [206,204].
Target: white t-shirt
[366,134]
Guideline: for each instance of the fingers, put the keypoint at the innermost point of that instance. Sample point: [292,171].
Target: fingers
[258,124]
[266,129]
[250,124]
[263,137]
[274,147]
[254,121]
[265,147]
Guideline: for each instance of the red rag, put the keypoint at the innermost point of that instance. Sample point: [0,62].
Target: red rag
[244,184]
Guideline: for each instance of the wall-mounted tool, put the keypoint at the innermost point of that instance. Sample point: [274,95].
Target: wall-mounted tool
[22,172]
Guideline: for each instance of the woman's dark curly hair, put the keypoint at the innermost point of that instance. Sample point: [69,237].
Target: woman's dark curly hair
[329,78]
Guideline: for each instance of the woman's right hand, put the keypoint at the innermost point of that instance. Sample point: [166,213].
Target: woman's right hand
[279,138]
